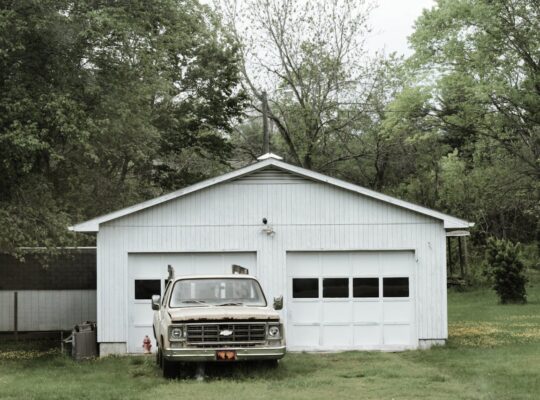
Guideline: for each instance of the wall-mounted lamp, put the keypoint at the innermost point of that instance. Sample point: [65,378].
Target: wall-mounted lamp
[267,228]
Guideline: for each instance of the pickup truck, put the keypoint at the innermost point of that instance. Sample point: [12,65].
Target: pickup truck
[218,318]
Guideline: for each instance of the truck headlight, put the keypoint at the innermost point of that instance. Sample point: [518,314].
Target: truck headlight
[273,332]
[176,333]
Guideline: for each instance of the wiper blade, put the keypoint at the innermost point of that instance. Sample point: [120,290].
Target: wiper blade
[231,304]
[194,302]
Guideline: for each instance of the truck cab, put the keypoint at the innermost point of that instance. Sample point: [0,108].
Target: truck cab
[216,318]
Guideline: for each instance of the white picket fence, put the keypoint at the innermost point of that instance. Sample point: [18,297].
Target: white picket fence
[46,310]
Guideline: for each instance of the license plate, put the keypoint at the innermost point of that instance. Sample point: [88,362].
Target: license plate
[225,355]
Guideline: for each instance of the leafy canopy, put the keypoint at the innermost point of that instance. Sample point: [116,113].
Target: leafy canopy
[474,109]
[105,104]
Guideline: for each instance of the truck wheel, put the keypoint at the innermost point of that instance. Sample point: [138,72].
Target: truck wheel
[169,368]
[158,357]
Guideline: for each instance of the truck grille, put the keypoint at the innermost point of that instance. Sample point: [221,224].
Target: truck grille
[226,334]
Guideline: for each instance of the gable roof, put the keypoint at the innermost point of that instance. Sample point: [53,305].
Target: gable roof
[271,160]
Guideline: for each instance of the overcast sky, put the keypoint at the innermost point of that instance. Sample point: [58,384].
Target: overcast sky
[392,21]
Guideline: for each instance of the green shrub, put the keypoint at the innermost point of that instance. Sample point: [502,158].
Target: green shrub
[506,271]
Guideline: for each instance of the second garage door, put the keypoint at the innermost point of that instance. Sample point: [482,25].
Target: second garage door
[147,275]
[351,300]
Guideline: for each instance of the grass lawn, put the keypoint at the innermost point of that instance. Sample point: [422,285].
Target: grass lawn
[493,353]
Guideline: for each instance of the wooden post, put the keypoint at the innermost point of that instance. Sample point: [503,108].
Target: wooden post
[15,315]
[449,247]
[465,255]
[461,261]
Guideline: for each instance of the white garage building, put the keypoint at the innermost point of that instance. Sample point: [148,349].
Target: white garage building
[358,269]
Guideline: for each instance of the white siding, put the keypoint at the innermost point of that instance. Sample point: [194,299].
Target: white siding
[305,215]
[47,310]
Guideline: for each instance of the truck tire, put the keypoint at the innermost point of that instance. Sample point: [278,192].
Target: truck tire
[158,357]
[170,369]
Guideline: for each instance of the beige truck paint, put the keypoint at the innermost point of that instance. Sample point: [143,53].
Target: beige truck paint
[220,313]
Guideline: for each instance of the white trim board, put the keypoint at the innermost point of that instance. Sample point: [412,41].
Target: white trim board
[450,222]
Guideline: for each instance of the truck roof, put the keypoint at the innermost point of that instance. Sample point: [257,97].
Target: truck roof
[222,276]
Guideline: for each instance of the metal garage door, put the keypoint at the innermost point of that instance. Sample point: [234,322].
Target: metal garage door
[350,300]
[147,274]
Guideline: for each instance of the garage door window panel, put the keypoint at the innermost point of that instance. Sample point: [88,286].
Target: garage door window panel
[396,287]
[146,288]
[336,288]
[305,288]
[366,287]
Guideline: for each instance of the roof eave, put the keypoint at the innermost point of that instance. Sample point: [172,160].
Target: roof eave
[84,227]
[457,224]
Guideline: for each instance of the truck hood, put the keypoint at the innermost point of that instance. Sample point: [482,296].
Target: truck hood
[226,312]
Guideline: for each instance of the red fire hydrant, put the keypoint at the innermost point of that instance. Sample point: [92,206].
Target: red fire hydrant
[147,345]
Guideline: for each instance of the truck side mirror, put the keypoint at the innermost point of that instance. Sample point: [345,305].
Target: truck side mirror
[155,301]
[278,303]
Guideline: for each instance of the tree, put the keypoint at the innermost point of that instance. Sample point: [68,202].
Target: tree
[370,153]
[310,58]
[506,270]
[105,104]
[487,56]
[474,110]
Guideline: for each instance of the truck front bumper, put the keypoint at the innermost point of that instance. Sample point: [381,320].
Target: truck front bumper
[242,353]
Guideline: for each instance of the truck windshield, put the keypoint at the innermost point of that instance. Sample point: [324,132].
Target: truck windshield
[206,292]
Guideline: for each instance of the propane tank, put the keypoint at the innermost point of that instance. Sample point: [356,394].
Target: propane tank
[147,345]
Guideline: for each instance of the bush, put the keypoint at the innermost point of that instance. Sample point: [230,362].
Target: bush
[506,271]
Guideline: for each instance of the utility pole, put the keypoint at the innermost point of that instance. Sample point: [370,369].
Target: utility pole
[266,134]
